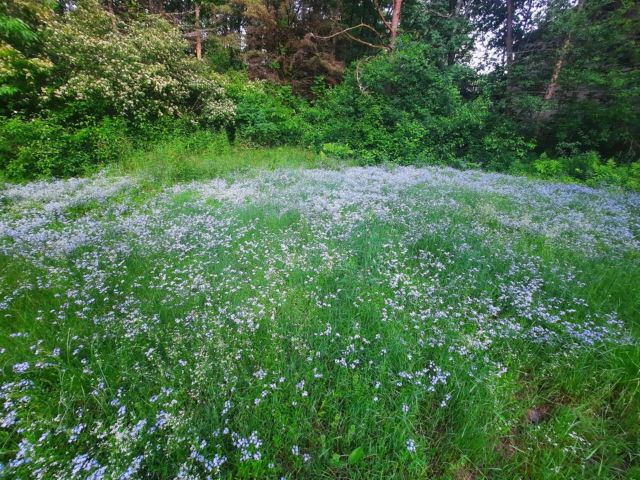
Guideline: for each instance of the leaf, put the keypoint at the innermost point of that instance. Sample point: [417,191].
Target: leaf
[335,460]
[356,456]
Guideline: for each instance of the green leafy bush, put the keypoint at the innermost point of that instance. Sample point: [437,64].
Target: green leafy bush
[548,167]
[403,107]
[500,148]
[611,173]
[588,168]
[606,173]
[336,150]
[135,69]
[43,148]
[29,147]
[24,67]
[633,176]
[265,113]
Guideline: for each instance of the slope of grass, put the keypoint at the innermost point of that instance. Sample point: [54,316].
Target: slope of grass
[349,323]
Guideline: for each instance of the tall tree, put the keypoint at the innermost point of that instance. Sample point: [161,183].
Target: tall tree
[508,41]
[395,21]
[443,25]
[575,79]
[504,26]
[455,11]
[552,87]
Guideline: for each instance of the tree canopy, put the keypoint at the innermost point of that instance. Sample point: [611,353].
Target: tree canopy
[496,84]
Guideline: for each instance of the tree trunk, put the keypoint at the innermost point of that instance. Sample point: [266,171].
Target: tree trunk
[509,36]
[198,33]
[455,6]
[395,21]
[552,87]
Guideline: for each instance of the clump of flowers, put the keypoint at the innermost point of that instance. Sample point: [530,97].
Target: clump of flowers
[263,326]
[136,69]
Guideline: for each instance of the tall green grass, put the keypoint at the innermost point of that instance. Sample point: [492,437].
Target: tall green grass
[203,155]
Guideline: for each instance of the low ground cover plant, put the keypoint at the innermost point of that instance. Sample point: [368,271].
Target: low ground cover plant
[312,323]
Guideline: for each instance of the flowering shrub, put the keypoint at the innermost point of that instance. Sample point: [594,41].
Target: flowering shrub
[135,69]
[106,83]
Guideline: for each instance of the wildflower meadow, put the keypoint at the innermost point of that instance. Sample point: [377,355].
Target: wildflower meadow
[361,322]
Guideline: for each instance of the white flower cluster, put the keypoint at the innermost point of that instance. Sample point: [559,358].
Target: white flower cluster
[136,69]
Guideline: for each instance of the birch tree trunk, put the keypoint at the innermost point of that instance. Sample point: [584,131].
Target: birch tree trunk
[198,33]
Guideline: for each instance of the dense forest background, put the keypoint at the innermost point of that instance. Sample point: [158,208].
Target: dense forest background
[543,87]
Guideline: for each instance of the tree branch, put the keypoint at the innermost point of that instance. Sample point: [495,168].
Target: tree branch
[341,32]
[355,39]
[376,4]
[363,42]
[436,13]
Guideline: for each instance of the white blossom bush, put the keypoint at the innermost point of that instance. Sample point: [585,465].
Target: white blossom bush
[136,69]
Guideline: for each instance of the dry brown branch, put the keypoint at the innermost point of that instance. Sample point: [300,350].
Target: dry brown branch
[341,32]
[355,39]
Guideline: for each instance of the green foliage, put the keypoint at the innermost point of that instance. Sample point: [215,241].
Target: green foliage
[43,148]
[15,30]
[596,105]
[407,107]
[356,456]
[86,85]
[336,150]
[501,147]
[633,176]
[442,26]
[24,66]
[600,102]
[548,167]
[266,114]
[589,168]
[135,69]
[223,58]
[205,154]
